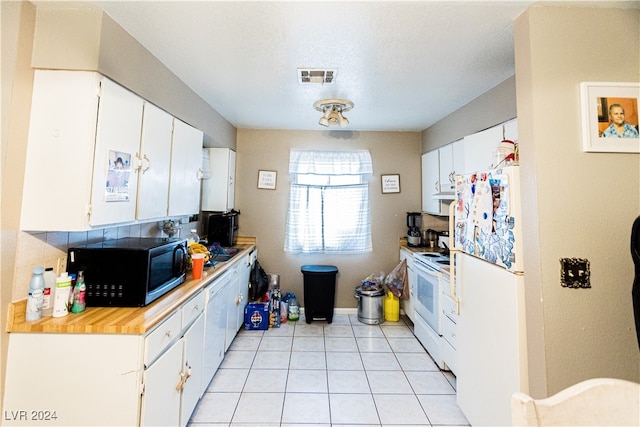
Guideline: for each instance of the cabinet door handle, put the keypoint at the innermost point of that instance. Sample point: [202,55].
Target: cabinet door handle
[148,163]
[184,376]
[138,162]
[180,385]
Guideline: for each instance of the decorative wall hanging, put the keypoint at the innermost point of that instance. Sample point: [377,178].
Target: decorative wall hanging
[610,117]
[267,180]
[390,183]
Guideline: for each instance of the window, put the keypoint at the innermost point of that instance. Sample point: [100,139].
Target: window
[329,202]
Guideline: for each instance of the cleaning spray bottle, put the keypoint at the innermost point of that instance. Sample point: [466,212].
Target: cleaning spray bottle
[79,292]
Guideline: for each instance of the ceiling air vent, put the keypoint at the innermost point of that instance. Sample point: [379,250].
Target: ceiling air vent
[317,75]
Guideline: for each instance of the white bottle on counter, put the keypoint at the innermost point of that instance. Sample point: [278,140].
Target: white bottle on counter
[49,291]
[36,295]
[61,300]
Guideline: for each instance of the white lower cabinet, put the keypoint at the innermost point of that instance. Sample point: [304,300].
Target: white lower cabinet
[172,382]
[226,298]
[161,400]
[215,327]
[73,379]
[191,372]
[115,379]
[244,271]
[108,379]
[449,326]
[231,298]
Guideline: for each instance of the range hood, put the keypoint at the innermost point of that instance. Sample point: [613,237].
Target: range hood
[443,195]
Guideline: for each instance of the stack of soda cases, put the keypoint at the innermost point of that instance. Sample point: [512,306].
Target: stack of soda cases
[275,296]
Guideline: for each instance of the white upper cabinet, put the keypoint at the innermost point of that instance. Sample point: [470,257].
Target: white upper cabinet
[218,190]
[430,182]
[480,147]
[84,134]
[445,162]
[451,162]
[186,159]
[155,158]
[470,154]
[98,154]
[459,160]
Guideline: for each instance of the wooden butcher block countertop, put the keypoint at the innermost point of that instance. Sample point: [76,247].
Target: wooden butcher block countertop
[123,320]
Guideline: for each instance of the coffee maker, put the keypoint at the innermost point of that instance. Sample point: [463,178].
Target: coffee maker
[220,227]
[414,221]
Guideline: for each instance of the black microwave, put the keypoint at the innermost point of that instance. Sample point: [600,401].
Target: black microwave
[129,272]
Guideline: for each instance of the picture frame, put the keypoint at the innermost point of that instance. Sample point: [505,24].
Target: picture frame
[390,183]
[267,179]
[597,99]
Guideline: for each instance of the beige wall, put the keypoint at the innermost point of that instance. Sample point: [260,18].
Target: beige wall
[84,38]
[575,204]
[495,106]
[17,25]
[264,212]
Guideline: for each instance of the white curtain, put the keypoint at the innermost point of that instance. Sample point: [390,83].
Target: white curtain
[329,202]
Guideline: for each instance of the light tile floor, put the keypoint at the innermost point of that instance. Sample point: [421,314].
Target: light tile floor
[340,374]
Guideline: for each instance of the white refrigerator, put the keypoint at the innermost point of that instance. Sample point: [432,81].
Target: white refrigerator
[489,287]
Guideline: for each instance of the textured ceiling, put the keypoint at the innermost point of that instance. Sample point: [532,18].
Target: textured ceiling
[405,65]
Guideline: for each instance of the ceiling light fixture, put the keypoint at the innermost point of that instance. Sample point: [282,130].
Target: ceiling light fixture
[332,110]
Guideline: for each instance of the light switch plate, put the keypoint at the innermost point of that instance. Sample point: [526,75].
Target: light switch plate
[62,265]
[575,273]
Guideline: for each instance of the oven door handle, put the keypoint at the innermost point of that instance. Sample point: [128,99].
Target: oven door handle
[452,256]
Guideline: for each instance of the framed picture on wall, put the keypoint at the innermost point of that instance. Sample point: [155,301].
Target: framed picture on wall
[390,183]
[610,117]
[267,180]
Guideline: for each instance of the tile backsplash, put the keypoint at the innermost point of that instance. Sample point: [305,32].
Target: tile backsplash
[35,249]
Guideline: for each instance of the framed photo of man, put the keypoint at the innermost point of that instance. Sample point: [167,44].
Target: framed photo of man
[610,117]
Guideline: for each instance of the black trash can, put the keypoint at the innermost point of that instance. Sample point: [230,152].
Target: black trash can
[319,291]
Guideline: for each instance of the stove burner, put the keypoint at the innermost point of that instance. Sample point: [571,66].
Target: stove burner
[430,255]
[443,261]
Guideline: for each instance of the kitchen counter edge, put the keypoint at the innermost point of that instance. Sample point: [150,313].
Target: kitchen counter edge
[123,320]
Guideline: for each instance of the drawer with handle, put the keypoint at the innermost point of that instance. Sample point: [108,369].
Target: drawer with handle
[163,335]
[192,309]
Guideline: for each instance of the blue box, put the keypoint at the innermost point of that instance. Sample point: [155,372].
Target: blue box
[256,316]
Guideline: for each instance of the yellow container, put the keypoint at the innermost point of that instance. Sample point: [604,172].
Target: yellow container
[391,307]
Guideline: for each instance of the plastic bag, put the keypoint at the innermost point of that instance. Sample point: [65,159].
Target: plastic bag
[258,282]
[373,282]
[396,279]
